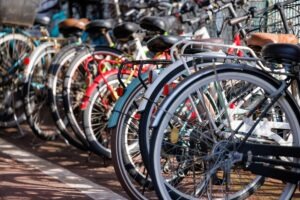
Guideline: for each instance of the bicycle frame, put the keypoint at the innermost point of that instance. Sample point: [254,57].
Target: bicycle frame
[140,54]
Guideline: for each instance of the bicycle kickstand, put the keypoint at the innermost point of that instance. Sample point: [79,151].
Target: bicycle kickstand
[20,131]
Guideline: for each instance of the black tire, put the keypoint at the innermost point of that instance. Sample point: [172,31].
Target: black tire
[57,71]
[37,109]
[96,116]
[128,165]
[14,48]
[74,87]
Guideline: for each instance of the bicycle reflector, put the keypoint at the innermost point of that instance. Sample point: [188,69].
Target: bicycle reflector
[85,102]
[174,135]
[166,90]
[120,91]
[26,61]
[152,76]
[137,116]
[232,106]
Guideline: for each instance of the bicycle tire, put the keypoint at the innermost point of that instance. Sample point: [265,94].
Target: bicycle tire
[96,115]
[265,84]
[37,111]
[56,76]
[74,119]
[7,118]
[127,164]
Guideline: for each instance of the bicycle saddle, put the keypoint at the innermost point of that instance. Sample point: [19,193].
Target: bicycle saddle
[42,20]
[97,25]
[162,43]
[281,53]
[72,26]
[261,39]
[125,31]
[159,24]
[198,48]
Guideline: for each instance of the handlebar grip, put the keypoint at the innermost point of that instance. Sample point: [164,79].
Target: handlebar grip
[238,19]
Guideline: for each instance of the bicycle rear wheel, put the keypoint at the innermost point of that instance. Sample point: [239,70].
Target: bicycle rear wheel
[192,140]
[155,94]
[14,48]
[83,69]
[37,111]
[57,71]
[127,160]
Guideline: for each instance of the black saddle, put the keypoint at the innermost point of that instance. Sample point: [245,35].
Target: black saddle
[281,53]
[159,24]
[162,43]
[42,20]
[99,24]
[125,31]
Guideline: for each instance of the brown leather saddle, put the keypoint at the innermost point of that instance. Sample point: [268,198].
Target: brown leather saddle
[72,26]
[257,41]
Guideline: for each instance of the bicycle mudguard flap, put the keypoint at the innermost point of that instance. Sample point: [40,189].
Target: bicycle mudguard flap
[116,113]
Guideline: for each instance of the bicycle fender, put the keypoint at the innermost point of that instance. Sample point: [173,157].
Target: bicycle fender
[89,91]
[116,113]
[94,86]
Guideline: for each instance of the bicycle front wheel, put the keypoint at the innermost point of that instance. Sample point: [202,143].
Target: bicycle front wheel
[193,139]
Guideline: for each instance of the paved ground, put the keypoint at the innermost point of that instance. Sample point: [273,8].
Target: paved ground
[35,169]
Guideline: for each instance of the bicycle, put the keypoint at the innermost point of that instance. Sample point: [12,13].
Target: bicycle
[241,136]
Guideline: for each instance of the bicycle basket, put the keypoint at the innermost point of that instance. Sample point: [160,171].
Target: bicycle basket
[271,22]
[107,9]
[18,12]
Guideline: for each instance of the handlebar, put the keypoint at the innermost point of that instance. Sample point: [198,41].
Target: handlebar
[237,20]
[199,18]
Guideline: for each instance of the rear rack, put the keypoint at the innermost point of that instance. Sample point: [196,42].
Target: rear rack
[178,51]
[140,67]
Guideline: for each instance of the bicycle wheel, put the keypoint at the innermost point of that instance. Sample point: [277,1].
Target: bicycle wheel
[127,161]
[37,110]
[196,143]
[57,71]
[14,48]
[155,94]
[79,76]
[98,112]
